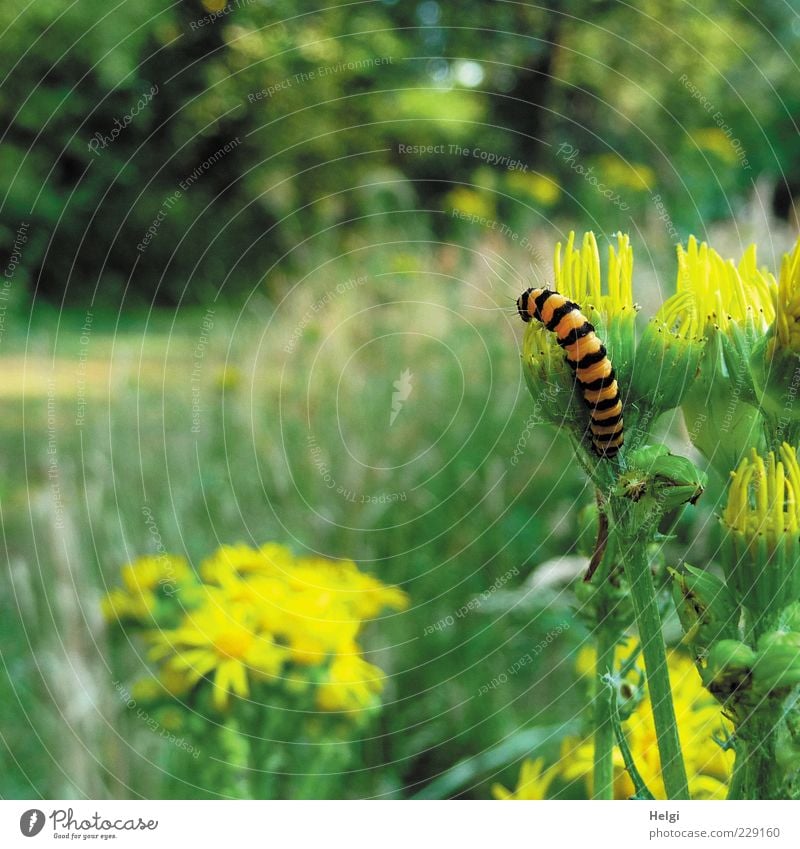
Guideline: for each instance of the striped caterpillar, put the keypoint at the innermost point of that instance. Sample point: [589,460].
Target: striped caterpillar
[587,357]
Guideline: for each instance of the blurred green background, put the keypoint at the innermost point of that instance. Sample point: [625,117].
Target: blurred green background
[229,230]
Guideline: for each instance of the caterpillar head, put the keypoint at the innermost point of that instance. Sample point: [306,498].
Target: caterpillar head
[522,303]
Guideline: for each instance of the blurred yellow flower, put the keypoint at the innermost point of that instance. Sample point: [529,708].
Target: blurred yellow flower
[144,579]
[700,721]
[223,640]
[350,685]
[470,202]
[533,783]
[241,561]
[621,173]
[543,188]
[714,140]
[261,614]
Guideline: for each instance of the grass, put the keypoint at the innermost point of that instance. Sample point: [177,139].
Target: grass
[290,439]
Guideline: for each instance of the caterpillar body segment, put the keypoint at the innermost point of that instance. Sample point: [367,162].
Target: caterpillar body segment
[587,357]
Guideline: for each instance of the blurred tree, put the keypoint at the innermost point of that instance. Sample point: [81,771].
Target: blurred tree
[274,130]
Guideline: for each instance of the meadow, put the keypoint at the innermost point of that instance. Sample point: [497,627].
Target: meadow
[215,427]
[179,431]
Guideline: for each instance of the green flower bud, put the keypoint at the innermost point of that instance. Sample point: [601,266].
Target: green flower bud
[550,381]
[719,408]
[666,478]
[667,359]
[728,671]
[608,602]
[706,609]
[790,617]
[776,359]
[761,549]
[777,377]
[777,666]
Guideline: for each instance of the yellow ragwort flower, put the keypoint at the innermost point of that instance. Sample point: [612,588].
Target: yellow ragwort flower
[543,188]
[714,140]
[700,721]
[578,276]
[722,292]
[764,496]
[313,606]
[262,614]
[241,560]
[533,783]
[221,639]
[351,685]
[787,303]
[623,174]
[143,580]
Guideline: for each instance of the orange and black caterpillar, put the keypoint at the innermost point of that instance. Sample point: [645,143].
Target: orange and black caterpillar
[587,357]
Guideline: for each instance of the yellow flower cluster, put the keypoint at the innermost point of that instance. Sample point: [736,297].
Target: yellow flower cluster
[716,292]
[262,615]
[700,721]
[764,496]
[145,581]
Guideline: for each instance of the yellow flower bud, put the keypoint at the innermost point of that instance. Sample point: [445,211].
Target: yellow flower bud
[762,516]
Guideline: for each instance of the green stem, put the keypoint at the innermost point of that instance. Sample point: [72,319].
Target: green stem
[739,778]
[648,623]
[603,727]
[755,773]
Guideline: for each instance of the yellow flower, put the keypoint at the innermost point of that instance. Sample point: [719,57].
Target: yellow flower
[471,202]
[242,560]
[722,293]
[315,626]
[363,595]
[144,579]
[714,140]
[761,549]
[223,640]
[150,573]
[533,783]
[260,613]
[121,605]
[314,606]
[351,685]
[787,303]
[764,497]
[542,188]
[680,317]
[621,173]
[578,276]
[699,719]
